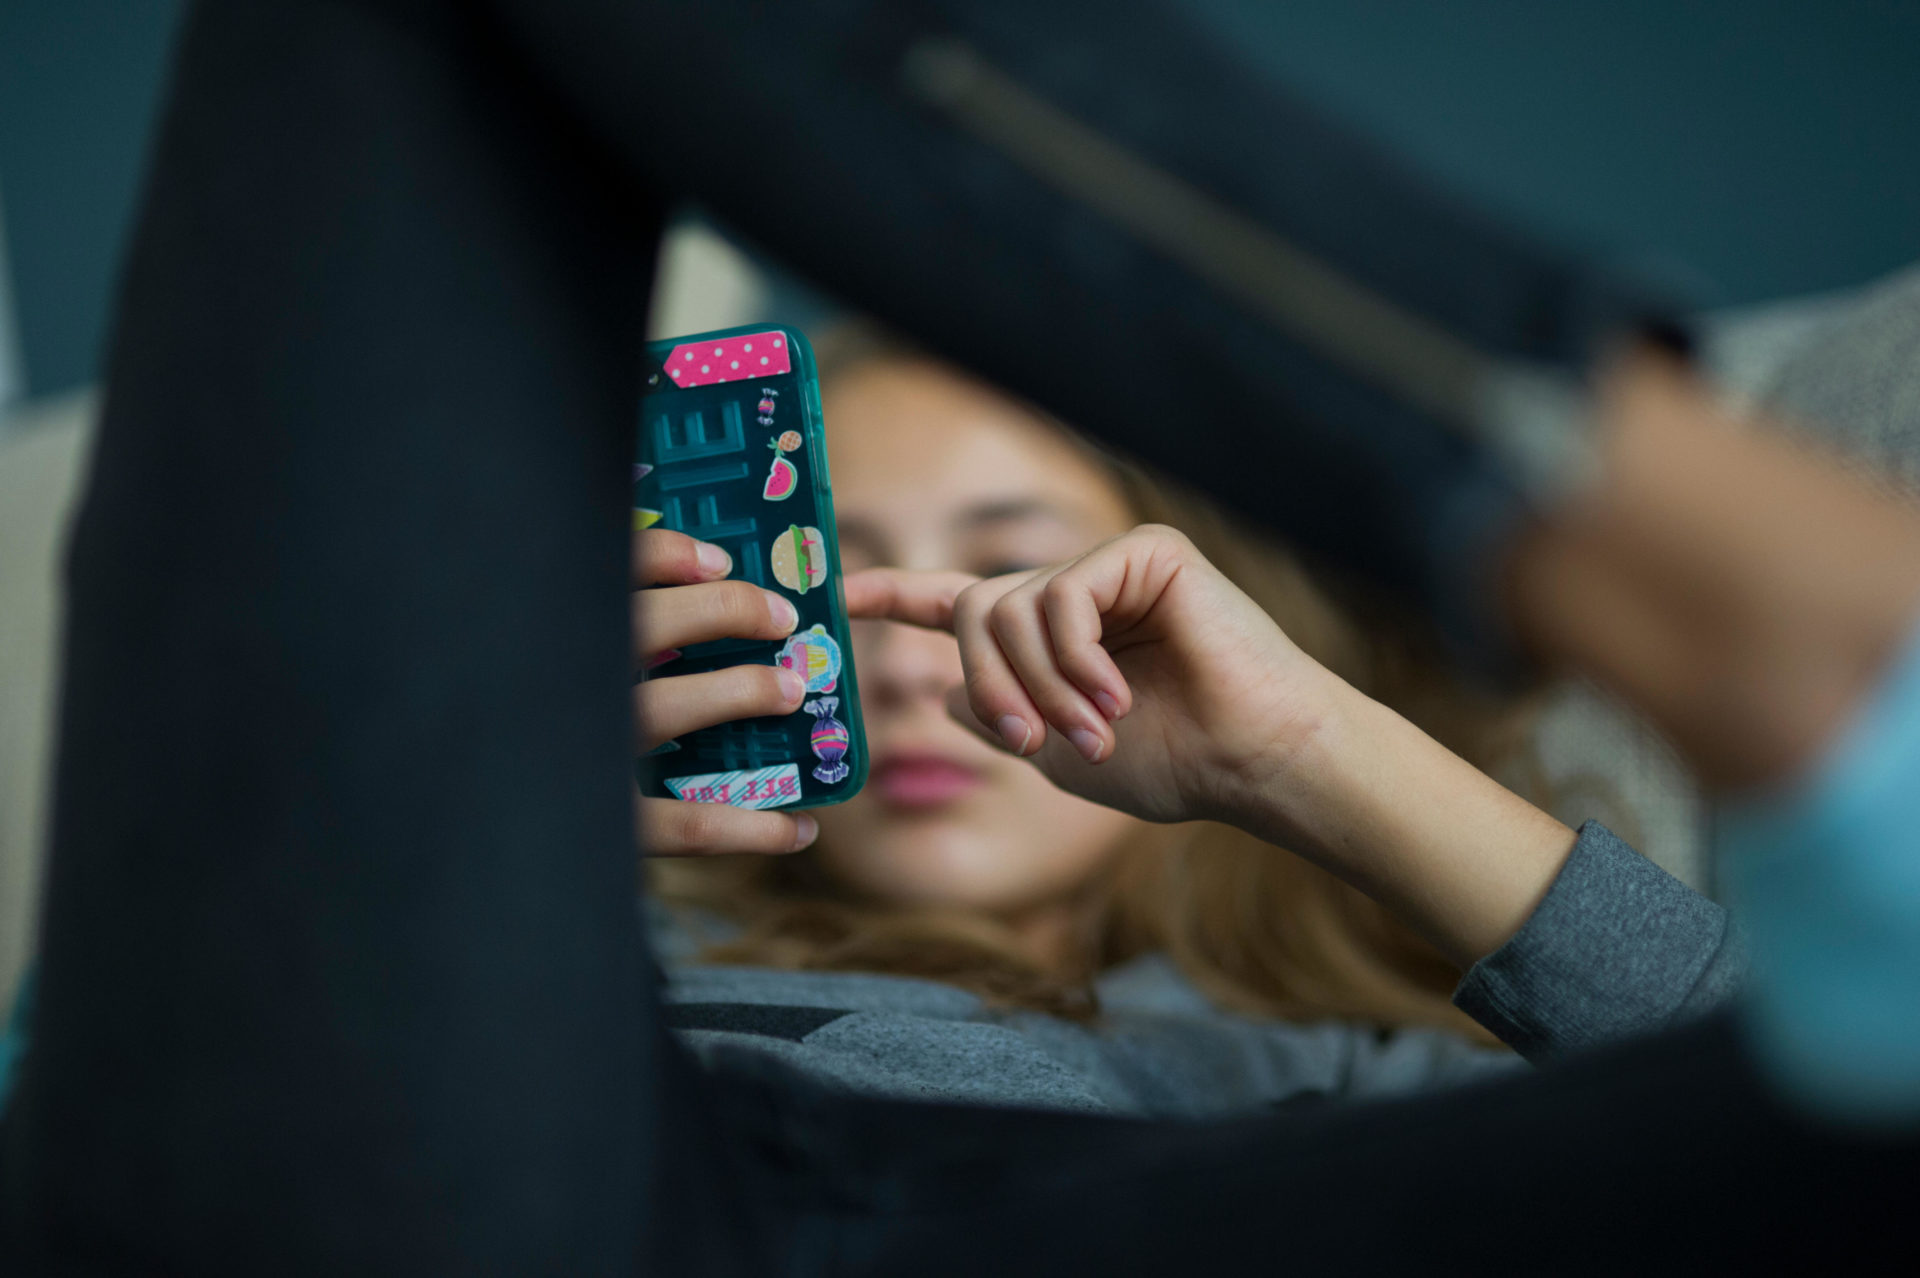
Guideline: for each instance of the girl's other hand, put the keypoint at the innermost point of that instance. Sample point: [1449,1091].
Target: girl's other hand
[681,597]
[1136,675]
[1139,677]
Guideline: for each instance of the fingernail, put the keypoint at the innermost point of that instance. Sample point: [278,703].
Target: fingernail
[1108,703]
[805,831]
[792,686]
[782,612]
[1015,732]
[1087,743]
[714,561]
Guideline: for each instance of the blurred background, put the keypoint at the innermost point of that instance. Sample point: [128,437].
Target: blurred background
[1748,152]
[1753,148]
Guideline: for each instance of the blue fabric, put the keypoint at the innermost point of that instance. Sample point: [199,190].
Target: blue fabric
[1826,876]
[13,1041]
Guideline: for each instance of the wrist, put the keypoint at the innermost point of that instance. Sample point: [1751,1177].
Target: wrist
[1307,792]
[1376,802]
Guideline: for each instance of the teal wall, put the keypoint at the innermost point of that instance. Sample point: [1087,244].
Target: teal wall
[1753,149]
[79,80]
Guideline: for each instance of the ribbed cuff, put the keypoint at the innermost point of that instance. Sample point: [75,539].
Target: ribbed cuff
[1617,947]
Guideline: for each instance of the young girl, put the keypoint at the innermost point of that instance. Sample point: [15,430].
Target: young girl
[1118,948]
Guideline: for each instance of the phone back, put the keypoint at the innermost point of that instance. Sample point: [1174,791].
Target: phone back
[732,450]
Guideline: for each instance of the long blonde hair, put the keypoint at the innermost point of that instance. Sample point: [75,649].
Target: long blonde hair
[1256,929]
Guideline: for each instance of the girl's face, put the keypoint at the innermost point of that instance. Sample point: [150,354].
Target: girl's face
[932,471]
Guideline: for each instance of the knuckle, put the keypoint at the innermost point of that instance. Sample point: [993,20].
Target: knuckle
[702,825]
[662,829]
[734,605]
[1005,611]
[768,833]
[967,604]
[759,687]
[746,599]
[1165,535]
[664,547]
[981,688]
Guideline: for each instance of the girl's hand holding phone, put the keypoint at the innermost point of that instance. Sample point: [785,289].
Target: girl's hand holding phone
[688,600]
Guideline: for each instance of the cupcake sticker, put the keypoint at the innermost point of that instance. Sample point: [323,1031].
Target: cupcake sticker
[814,655]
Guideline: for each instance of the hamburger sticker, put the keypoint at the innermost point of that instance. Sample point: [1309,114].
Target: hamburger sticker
[799,558]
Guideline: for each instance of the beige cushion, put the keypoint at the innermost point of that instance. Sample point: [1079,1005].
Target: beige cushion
[41,457]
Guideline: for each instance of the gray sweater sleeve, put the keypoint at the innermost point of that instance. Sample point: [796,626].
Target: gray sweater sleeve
[1617,947]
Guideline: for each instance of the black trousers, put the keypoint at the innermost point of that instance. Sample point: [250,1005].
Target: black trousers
[341,969]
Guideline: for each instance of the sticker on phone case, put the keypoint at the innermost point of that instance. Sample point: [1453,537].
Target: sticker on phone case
[783,478]
[799,558]
[745,788]
[729,359]
[830,740]
[769,400]
[814,655]
[644,518]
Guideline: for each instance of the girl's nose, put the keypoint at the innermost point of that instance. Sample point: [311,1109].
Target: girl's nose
[899,663]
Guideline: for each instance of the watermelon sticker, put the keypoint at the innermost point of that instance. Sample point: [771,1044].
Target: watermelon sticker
[783,478]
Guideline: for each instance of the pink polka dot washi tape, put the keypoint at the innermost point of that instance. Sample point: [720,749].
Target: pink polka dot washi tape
[729,359]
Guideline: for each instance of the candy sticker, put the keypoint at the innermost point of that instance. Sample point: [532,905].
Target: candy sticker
[729,359]
[783,478]
[747,788]
[799,558]
[769,400]
[814,655]
[829,740]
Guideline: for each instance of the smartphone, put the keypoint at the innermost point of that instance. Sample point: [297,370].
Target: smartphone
[732,450]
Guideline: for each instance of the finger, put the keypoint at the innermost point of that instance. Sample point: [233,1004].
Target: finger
[1019,623]
[994,691]
[676,616]
[1073,602]
[669,827]
[672,707]
[917,598]
[1054,757]
[960,709]
[662,557]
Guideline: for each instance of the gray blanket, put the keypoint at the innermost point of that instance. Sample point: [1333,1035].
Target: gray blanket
[1618,947]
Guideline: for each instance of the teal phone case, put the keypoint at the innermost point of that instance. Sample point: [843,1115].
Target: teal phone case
[732,450]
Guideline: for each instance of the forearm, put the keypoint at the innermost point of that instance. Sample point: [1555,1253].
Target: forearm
[1377,802]
[1741,590]
[1757,601]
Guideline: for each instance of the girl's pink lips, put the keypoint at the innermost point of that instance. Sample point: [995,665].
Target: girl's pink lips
[922,780]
